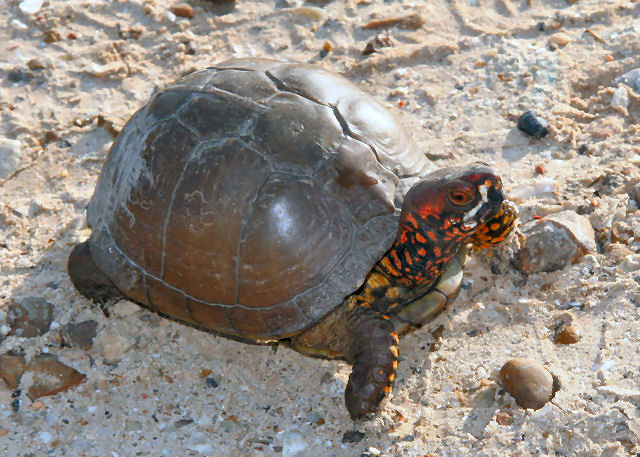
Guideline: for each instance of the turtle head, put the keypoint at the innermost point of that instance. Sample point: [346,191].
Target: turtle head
[450,204]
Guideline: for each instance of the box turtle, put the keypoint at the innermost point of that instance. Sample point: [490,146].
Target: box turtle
[272,201]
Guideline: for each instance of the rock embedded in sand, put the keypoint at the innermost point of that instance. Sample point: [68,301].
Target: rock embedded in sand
[30,317]
[534,125]
[381,40]
[183,10]
[51,376]
[11,369]
[555,241]
[30,6]
[10,153]
[560,39]
[80,334]
[293,444]
[568,334]
[530,383]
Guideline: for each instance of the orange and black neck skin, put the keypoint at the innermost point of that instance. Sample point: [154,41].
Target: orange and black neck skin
[423,247]
[417,258]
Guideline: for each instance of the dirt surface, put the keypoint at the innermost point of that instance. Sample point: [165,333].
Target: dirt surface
[460,73]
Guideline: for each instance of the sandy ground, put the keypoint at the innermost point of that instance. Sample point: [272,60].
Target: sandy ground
[459,72]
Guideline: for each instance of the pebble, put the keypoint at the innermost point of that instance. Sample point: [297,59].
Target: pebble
[10,154]
[568,334]
[529,382]
[315,418]
[30,6]
[18,24]
[352,436]
[381,40]
[308,13]
[559,39]
[504,418]
[51,376]
[555,241]
[183,10]
[11,369]
[30,317]
[112,346]
[631,79]
[80,334]
[51,36]
[539,188]
[534,125]
[620,99]
[36,64]
[293,444]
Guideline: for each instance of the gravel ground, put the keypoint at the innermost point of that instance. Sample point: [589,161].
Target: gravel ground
[459,73]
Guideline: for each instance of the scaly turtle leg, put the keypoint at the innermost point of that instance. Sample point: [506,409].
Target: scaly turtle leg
[87,278]
[364,338]
[374,354]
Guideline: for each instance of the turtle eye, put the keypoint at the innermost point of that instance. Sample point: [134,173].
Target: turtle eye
[460,197]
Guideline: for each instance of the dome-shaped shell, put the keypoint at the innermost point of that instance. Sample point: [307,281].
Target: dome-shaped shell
[250,198]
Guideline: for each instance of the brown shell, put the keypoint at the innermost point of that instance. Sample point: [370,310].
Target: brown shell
[251,198]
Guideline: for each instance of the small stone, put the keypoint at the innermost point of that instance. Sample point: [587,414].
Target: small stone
[622,232]
[555,241]
[568,334]
[540,169]
[30,317]
[352,436]
[10,153]
[381,40]
[112,346]
[211,382]
[315,418]
[620,99]
[51,36]
[532,124]
[11,369]
[18,24]
[560,39]
[51,376]
[183,10]
[307,13]
[631,79]
[36,64]
[504,418]
[30,6]
[80,334]
[293,444]
[540,188]
[530,383]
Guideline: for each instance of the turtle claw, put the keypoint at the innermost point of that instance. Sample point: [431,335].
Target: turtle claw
[496,229]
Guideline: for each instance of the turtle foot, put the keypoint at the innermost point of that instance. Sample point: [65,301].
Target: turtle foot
[374,369]
[87,278]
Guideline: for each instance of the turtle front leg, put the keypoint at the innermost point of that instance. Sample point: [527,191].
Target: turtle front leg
[373,351]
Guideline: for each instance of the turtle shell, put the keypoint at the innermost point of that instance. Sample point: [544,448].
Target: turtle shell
[252,197]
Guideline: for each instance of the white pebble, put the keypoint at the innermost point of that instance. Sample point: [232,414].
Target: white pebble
[19,25]
[293,444]
[10,152]
[620,98]
[92,409]
[45,437]
[30,6]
